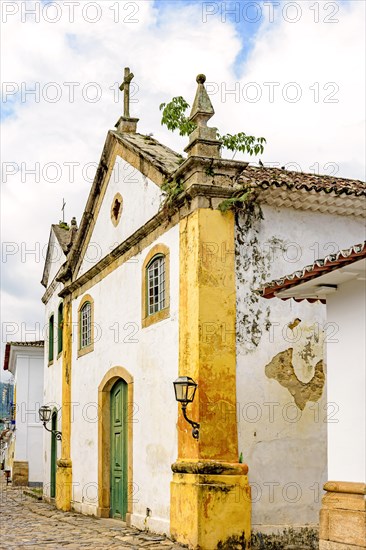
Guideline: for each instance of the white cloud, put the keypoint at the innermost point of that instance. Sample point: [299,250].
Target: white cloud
[166,49]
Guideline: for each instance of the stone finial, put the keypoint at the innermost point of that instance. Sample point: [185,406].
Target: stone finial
[203,140]
[73,231]
[202,109]
[126,123]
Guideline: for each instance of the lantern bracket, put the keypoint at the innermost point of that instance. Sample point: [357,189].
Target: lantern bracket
[195,425]
[45,416]
[57,434]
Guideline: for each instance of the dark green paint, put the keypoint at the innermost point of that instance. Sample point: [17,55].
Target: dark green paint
[119,450]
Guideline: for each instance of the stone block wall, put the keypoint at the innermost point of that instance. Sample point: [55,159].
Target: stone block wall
[20,474]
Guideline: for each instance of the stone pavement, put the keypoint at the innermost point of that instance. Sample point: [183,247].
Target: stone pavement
[31,524]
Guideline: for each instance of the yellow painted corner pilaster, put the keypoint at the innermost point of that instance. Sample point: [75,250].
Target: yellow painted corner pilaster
[211,511]
[63,485]
[64,466]
[210,494]
[207,342]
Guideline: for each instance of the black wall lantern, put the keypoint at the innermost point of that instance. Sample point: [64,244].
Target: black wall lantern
[45,416]
[185,390]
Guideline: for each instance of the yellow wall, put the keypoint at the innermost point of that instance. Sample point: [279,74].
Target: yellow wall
[64,470]
[207,345]
[210,494]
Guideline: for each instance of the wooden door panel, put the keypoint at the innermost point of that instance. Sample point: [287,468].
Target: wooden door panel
[53,456]
[119,450]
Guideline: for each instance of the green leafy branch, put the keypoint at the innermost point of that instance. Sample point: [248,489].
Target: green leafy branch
[174,118]
[242,142]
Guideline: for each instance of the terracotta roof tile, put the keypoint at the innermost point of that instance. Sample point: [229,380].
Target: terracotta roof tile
[267,177]
[316,269]
[30,344]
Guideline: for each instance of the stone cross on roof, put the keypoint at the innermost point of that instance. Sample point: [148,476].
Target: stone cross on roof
[63,210]
[125,87]
[126,123]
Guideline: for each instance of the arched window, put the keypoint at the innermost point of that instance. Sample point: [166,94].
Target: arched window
[60,322]
[85,325]
[156,285]
[50,338]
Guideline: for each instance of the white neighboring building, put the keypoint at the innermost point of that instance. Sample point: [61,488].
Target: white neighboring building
[25,361]
[339,280]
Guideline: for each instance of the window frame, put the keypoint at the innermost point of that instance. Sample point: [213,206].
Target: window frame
[148,267]
[51,338]
[60,320]
[82,350]
[159,250]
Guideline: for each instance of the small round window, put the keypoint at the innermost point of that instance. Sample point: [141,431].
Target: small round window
[116,208]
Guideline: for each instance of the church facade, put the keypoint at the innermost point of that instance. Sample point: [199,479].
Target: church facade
[160,281]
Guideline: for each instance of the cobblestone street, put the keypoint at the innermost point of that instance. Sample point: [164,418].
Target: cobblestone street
[29,523]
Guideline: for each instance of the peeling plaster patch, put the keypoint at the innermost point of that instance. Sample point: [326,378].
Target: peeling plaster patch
[307,353]
[307,341]
[282,370]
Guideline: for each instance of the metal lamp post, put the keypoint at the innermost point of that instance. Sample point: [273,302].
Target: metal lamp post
[45,416]
[185,390]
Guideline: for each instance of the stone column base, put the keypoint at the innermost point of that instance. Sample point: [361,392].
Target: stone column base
[343,516]
[210,510]
[20,474]
[63,485]
[330,545]
[103,512]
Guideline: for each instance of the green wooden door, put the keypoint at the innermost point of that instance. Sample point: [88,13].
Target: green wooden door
[53,455]
[119,450]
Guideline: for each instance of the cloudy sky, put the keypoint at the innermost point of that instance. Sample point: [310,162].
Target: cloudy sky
[292,72]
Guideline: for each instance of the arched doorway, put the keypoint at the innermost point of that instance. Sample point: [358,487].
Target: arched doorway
[119,445]
[53,454]
[115,423]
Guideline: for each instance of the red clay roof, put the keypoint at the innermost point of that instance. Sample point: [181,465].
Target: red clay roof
[318,268]
[34,344]
[275,177]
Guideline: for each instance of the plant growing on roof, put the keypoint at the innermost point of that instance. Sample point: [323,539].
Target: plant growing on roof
[171,188]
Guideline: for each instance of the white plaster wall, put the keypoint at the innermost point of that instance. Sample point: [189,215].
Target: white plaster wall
[347,383]
[35,435]
[285,447]
[52,394]
[141,201]
[29,390]
[150,355]
[21,384]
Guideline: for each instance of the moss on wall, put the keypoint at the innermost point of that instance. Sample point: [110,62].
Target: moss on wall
[304,538]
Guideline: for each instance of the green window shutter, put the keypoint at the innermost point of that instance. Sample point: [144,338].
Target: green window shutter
[50,339]
[60,327]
